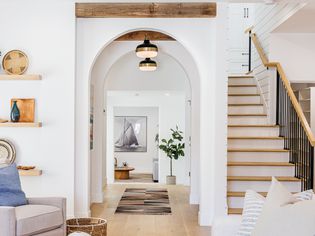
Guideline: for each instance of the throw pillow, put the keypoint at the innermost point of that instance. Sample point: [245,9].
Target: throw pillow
[254,203]
[10,187]
[282,217]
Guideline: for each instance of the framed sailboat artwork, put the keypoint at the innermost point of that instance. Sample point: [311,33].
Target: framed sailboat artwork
[130,133]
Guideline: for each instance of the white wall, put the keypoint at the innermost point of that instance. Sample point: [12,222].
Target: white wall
[171,113]
[267,18]
[48,40]
[296,53]
[141,161]
[204,46]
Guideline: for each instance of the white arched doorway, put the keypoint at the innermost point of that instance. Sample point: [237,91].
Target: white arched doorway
[108,58]
[169,83]
[93,35]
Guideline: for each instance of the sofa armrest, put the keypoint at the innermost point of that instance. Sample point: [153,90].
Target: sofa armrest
[7,221]
[52,201]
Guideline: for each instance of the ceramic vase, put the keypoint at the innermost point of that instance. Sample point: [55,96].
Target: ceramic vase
[15,112]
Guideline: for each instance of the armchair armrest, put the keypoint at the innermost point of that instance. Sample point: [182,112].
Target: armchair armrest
[52,201]
[7,221]
[49,201]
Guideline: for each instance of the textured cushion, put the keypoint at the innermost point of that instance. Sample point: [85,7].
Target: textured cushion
[35,219]
[254,203]
[10,187]
[280,216]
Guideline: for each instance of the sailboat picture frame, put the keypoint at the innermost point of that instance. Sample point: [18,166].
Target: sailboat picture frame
[130,133]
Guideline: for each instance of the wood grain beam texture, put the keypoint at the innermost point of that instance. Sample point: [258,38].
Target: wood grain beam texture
[146,10]
[140,35]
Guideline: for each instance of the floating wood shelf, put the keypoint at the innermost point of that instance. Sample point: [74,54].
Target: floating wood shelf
[20,77]
[21,124]
[34,172]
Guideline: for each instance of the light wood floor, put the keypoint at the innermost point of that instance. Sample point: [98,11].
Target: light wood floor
[182,222]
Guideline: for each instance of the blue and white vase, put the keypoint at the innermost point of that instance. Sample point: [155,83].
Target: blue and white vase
[15,112]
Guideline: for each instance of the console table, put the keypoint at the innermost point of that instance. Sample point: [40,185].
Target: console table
[122,172]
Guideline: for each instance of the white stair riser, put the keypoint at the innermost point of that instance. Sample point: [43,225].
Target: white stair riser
[242,81]
[247,120]
[244,99]
[253,131]
[235,202]
[261,171]
[246,109]
[258,156]
[257,143]
[242,90]
[260,186]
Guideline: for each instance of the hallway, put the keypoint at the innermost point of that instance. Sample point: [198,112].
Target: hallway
[182,222]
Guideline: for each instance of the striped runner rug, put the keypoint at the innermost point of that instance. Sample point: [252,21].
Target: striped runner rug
[144,201]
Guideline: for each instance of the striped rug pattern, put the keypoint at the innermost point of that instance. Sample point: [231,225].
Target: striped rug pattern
[144,201]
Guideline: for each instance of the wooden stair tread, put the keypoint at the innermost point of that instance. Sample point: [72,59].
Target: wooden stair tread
[262,178]
[244,94]
[242,85]
[242,194]
[235,211]
[253,126]
[256,150]
[257,137]
[244,104]
[241,77]
[247,114]
[239,163]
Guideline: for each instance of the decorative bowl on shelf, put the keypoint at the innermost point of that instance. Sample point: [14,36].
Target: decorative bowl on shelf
[15,62]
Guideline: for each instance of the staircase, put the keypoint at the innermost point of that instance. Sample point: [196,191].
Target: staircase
[255,150]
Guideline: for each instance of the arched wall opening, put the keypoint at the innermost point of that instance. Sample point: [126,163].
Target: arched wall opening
[204,44]
[103,68]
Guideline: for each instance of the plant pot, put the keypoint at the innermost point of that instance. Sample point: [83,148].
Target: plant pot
[171,180]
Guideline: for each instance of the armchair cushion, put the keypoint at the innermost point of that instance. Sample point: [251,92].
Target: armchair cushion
[36,219]
[11,193]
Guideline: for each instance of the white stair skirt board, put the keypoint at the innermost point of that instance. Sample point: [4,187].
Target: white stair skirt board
[241,81]
[257,143]
[245,120]
[242,90]
[260,186]
[258,156]
[246,109]
[260,170]
[253,131]
[244,99]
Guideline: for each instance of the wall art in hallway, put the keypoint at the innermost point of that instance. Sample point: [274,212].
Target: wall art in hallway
[130,133]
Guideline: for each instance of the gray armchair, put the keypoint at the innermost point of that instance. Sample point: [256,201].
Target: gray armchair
[41,217]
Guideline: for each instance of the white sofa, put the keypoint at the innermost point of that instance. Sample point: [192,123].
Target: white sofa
[226,225]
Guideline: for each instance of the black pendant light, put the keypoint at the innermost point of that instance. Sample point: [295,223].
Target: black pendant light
[147,65]
[146,49]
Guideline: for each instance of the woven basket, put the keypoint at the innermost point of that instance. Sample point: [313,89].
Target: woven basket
[92,226]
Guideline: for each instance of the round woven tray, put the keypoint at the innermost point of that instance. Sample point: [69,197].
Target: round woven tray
[92,226]
[15,62]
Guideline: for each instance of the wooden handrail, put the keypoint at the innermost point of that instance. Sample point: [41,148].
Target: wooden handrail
[286,83]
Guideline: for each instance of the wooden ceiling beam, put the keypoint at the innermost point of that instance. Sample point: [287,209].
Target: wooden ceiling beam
[146,10]
[140,35]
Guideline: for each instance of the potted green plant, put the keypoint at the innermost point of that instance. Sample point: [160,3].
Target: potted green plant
[174,149]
